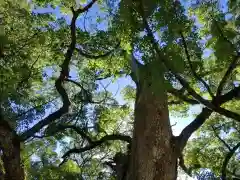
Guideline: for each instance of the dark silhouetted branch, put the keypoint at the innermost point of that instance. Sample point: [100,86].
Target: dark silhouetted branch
[58,83]
[33,108]
[91,56]
[201,118]
[226,161]
[86,8]
[220,139]
[89,99]
[192,127]
[97,143]
[184,167]
[230,69]
[78,130]
[182,81]
[179,94]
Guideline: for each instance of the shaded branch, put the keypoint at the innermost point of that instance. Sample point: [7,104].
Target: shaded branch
[91,56]
[86,8]
[33,108]
[192,127]
[59,82]
[89,98]
[78,130]
[188,171]
[210,106]
[182,81]
[201,118]
[97,143]
[191,67]
[179,94]
[226,161]
[220,139]
[230,69]
[233,64]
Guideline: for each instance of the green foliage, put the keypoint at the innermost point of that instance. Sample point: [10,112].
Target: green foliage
[34,46]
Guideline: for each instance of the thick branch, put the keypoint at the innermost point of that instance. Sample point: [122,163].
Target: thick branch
[86,8]
[201,118]
[192,127]
[191,66]
[184,167]
[58,84]
[210,105]
[227,159]
[95,144]
[179,94]
[183,82]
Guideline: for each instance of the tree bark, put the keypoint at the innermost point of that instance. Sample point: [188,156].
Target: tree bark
[10,146]
[153,156]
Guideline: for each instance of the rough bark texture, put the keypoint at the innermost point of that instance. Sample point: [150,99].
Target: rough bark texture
[153,156]
[11,158]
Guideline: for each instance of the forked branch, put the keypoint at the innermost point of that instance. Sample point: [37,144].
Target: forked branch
[203,116]
[227,159]
[98,143]
[59,82]
[183,82]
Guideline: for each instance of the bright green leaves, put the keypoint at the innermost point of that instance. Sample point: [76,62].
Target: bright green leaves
[176,57]
[207,147]
[129,93]
[108,119]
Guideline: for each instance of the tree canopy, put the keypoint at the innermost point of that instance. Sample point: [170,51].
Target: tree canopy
[61,60]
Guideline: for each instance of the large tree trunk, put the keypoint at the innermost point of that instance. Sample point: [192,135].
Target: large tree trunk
[152,155]
[10,147]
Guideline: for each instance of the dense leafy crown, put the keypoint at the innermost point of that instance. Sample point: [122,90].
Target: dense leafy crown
[112,39]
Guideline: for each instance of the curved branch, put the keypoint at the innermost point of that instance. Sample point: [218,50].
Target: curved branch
[220,139]
[97,143]
[201,118]
[227,159]
[179,94]
[183,166]
[77,130]
[89,100]
[191,67]
[230,69]
[91,56]
[58,83]
[233,64]
[182,81]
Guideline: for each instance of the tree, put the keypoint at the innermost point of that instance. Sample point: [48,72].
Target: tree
[161,46]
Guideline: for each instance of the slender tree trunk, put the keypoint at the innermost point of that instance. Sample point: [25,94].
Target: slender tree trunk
[10,146]
[152,154]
